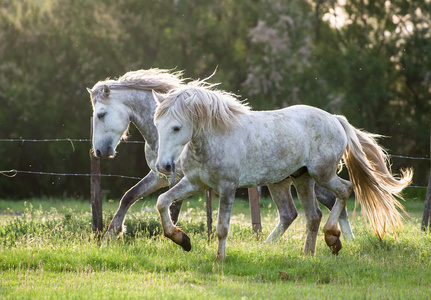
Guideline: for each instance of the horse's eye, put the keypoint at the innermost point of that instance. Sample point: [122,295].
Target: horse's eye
[177,128]
[101,115]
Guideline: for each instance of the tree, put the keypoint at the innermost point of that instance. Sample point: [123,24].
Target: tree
[379,53]
[374,67]
[280,54]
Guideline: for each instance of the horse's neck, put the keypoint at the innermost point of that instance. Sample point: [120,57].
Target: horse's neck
[142,108]
[199,144]
[196,145]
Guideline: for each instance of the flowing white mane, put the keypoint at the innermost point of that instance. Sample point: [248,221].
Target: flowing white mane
[202,104]
[152,79]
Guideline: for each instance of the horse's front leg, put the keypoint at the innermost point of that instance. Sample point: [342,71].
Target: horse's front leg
[144,187]
[181,190]
[227,196]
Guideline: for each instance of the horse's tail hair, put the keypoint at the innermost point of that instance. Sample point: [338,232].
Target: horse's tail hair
[376,188]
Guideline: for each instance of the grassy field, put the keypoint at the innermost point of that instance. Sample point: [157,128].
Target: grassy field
[47,251]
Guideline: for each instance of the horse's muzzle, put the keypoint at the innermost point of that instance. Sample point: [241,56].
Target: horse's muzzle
[108,152]
[167,168]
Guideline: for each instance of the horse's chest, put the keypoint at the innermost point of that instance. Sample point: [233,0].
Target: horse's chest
[211,165]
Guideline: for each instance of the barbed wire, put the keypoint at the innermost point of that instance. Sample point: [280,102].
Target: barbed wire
[63,140]
[143,142]
[410,157]
[45,140]
[13,173]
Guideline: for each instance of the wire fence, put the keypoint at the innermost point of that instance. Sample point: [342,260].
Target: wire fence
[13,172]
[63,140]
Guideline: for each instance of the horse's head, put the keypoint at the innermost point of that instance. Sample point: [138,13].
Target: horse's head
[110,121]
[190,111]
[174,133]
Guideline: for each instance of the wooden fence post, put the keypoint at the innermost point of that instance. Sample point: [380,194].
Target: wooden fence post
[426,222]
[96,190]
[254,198]
[209,196]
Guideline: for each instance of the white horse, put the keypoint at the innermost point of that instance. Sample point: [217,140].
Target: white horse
[117,103]
[224,145]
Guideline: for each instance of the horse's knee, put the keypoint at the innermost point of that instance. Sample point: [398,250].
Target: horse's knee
[163,203]
[222,231]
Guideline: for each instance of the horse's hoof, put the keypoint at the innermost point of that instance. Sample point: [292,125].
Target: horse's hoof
[332,239]
[185,243]
[335,248]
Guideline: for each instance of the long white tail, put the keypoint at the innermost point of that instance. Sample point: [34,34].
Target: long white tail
[375,187]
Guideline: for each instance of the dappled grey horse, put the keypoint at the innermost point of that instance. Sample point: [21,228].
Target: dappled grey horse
[224,145]
[117,103]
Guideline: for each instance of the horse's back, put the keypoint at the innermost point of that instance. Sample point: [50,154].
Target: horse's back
[304,124]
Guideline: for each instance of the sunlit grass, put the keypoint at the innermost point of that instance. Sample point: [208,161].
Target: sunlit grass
[53,254]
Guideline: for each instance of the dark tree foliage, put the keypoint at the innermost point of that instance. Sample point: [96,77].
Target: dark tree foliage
[372,66]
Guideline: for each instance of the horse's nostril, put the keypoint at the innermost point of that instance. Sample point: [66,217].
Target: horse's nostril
[98,153]
[167,169]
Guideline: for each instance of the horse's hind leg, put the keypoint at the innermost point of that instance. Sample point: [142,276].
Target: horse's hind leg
[328,198]
[287,213]
[344,223]
[342,189]
[305,187]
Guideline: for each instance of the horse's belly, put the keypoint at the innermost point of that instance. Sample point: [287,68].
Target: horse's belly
[265,175]
[263,168]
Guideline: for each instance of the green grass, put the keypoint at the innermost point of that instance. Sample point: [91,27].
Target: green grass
[47,251]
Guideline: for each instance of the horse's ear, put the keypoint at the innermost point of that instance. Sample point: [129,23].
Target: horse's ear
[157,97]
[106,91]
[89,90]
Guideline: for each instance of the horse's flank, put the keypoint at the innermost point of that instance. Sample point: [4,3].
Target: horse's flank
[207,107]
